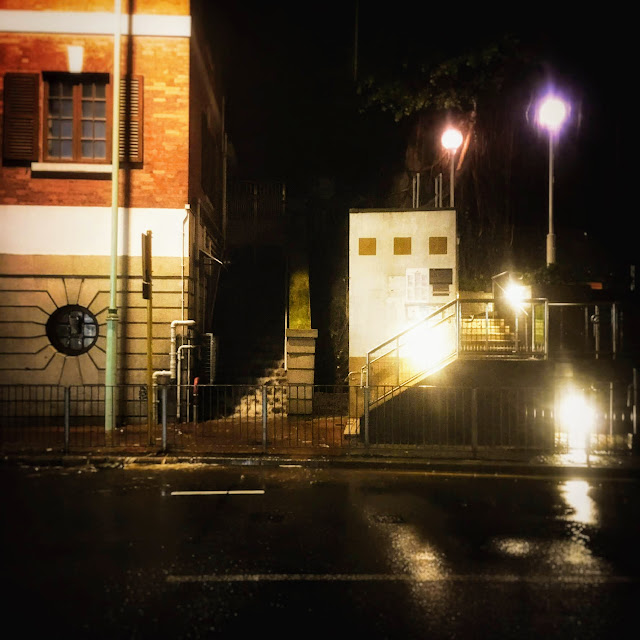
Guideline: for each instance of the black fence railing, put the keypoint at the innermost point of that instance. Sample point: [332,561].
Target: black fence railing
[315,419]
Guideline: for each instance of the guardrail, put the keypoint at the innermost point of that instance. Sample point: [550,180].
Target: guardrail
[264,419]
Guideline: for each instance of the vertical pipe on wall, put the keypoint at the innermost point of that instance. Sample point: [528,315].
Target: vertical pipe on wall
[112,315]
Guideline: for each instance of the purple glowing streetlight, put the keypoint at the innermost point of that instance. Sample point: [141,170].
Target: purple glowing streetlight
[552,112]
[451,140]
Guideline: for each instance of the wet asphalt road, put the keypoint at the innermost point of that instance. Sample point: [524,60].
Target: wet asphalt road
[205,551]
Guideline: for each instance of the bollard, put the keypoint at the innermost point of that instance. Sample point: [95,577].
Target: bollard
[264,419]
[474,422]
[163,393]
[366,414]
[67,412]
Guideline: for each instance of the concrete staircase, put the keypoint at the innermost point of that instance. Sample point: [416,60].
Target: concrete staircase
[250,324]
[485,334]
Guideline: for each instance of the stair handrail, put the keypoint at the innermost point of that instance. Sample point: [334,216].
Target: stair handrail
[366,368]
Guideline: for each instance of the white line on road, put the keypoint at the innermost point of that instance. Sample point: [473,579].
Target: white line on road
[231,492]
[391,577]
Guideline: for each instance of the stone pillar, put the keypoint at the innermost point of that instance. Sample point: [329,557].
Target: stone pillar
[301,355]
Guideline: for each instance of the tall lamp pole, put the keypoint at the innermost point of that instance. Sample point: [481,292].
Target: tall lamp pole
[110,377]
[551,114]
[451,140]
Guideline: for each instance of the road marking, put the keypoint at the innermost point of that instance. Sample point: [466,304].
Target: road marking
[231,492]
[392,577]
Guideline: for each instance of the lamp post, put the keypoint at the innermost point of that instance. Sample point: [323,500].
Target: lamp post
[451,140]
[552,112]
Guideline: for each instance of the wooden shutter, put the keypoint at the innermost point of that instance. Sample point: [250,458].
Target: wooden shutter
[131,119]
[21,117]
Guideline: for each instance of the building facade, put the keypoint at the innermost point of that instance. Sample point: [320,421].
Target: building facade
[56,186]
[403,265]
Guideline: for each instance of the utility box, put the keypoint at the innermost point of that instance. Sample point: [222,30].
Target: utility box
[403,264]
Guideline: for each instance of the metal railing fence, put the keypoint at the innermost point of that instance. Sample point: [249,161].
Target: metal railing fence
[314,419]
[499,329]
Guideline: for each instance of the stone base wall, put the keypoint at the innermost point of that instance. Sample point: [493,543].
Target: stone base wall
[27,300]
[301,349]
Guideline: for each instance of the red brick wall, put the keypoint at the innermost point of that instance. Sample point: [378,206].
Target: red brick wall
[164,64]
[160,7]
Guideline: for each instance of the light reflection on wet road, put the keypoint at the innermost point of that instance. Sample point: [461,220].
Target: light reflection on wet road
[153,551]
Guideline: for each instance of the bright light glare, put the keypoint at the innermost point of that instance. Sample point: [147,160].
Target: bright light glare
[575,417]
[576,495]
[428,346]
[552,113]
[515,294]
[451,139]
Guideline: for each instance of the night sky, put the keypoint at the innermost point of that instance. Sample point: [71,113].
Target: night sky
[293,114]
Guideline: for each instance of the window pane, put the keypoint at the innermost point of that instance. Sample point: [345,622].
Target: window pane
[77,120]
[66,130]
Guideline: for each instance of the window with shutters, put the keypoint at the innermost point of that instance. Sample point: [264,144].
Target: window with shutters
[21,117]
[77,114]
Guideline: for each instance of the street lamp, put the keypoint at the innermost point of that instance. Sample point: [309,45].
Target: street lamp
[451,140]
[552,112]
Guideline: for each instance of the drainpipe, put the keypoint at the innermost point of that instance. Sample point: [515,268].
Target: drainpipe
[112,315]
[179,376]
[186,217]
[172,354]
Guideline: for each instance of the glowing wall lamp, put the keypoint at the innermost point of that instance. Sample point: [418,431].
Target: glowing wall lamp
[451,140]
[552,112]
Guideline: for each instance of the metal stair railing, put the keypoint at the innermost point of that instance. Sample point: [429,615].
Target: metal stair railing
[423,348]
[469,328]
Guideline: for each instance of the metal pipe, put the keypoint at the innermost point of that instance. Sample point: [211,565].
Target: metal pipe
[153,390]
[67,412]
[186,217]
[179,376]
[551,237]
[452,179]
[172,353]
[164,418]
[112,314]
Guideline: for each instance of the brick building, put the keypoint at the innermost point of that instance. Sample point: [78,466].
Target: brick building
[56,90]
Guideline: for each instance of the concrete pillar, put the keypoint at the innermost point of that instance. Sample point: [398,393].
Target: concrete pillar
[301,354]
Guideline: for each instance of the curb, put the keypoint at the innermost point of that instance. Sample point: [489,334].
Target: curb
[627,468]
